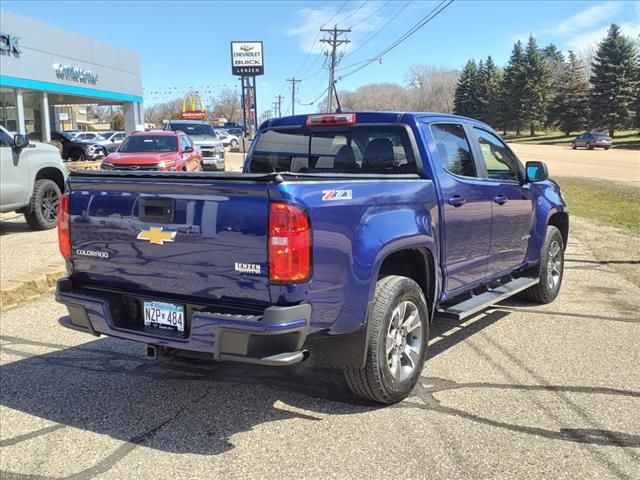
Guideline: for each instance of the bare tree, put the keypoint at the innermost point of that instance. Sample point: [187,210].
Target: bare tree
[375,97]
[431,89]
[227,105]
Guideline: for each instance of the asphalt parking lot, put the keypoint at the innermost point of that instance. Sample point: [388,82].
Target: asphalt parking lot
[521,391]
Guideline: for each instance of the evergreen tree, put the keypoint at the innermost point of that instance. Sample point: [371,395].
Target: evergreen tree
[465,98]
[513,83]
[537,86]
[490,94]
[614,81]
[556,65]
[570,108]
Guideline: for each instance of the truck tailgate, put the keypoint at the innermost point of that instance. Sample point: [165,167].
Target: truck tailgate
[201,238]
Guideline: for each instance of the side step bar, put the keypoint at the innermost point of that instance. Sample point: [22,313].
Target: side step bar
[466,308]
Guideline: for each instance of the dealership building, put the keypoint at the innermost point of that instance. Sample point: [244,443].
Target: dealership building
[50,76]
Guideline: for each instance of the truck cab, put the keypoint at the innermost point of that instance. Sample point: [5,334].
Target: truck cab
[346,233]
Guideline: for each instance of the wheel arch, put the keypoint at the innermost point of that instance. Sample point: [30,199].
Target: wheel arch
[560,220]
[51,173]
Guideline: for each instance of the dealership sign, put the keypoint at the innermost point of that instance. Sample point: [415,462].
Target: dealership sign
[75,74]
[10,44]
[246,59]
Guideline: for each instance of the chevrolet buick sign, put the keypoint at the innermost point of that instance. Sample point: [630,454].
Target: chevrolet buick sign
[75,74]
[246,59]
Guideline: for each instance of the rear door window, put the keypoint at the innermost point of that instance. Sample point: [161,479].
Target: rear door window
[377,150]
[454,151]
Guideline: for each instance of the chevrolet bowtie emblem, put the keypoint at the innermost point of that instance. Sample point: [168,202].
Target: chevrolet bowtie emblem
[246,48]
[157,236]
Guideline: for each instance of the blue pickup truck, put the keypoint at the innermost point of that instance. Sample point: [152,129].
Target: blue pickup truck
[346,234]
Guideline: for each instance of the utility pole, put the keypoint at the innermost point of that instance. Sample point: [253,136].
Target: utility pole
[293,94]
[278,105]
[334,42]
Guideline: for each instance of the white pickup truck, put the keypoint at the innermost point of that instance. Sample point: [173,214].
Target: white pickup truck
[32,175]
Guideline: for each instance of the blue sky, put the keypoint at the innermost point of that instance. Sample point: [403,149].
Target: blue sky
[186,44]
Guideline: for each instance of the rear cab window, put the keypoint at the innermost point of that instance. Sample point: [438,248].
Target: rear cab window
[355,149]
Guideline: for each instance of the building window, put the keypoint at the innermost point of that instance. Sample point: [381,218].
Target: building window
[32,102]
[8,109]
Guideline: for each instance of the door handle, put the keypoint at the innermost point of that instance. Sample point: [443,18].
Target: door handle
[457,201]
[500,199]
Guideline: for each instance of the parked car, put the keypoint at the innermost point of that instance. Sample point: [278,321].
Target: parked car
[113,136]
[238,132]
[227,139]
[98,138]
[204,136]
[591,140]
[233,125]
[162,151]
[77,149]
[345,234]
[32,176]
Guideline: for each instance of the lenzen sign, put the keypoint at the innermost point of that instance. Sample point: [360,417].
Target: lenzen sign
[75,74]
[246,58]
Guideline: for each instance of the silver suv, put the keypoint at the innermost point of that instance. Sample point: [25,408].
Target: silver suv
[32,176]
[205,138]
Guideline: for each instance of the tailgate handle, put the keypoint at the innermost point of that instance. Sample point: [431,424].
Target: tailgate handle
[153,209]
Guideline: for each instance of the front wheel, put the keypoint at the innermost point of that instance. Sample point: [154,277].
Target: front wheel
[44,205]
[397,343]
[78,155]
[550,269]
[234,143]
[589,146]
[573,146]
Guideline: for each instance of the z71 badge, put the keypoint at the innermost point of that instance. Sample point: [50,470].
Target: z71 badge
[329,195]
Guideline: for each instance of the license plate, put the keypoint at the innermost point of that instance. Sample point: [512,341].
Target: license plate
[166,316]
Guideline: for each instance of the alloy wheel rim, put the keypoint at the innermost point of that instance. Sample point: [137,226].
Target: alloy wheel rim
[554,265]
[404,341]
[49,205]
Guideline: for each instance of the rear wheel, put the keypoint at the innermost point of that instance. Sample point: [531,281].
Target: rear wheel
[234,143]
[397,344]
[573,145]
[550,269]
[589,146]
[78,155]
[44,205]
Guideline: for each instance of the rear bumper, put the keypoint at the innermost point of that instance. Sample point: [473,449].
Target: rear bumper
[275,337]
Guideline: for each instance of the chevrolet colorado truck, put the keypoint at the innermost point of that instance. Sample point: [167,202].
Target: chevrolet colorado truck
[346,234]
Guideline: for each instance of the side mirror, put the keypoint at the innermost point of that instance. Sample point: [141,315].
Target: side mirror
[20,141]
[537,171]
[188,150]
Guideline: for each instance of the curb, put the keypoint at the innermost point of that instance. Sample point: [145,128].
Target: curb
[30,286]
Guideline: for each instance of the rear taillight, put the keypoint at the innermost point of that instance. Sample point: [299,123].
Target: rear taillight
[64,237]
[331,119]
[289,244]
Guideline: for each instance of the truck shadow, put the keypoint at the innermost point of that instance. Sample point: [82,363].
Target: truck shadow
[106,386]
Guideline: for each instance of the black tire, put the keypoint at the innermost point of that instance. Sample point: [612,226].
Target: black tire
[375,380]
[233,144]
[589,146]
[573,145]
[607,148]
[44,205]
[78,155]
[547,289]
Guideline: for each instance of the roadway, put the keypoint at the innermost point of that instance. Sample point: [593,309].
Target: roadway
[521,391]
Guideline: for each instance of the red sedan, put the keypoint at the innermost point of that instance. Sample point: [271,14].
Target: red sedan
[160,151]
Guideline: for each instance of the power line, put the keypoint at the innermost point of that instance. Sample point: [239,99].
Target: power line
[308,104]
[334,43]
[371,14]
[293,94]
[313,44]
[421,23]
[372,36]
[353,12]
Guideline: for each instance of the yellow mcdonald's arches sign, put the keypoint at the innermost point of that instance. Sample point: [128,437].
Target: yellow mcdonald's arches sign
[193,108]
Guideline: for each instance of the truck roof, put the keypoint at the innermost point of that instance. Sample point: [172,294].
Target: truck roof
[372,117]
